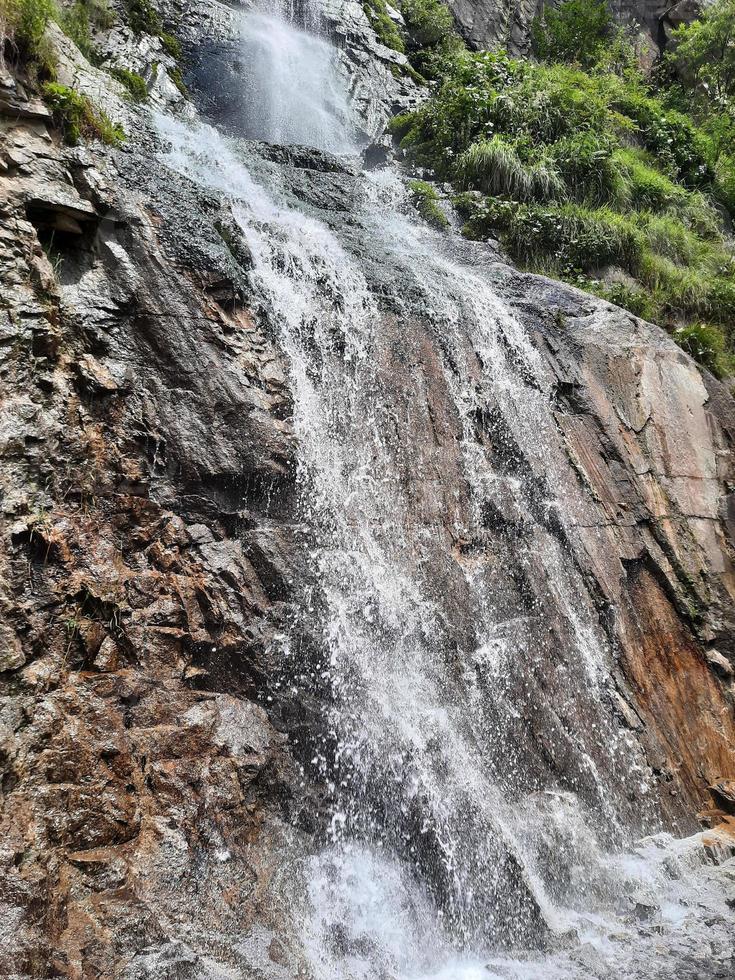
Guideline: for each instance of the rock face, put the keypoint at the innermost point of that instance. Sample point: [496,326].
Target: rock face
[507,23]
[153,551]
[660,547]
[496,23]
[146,478]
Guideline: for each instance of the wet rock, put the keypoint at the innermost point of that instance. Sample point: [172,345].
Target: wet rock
[721,665]
[723,793]
[155,550]
[645,911]
[719,843]
[377,154]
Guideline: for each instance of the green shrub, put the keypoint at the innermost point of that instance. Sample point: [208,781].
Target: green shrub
[672,137]
[707,345]
[432,38]
[589,168]
[133,82]
[143,17]
[75,115]
[25,23]
[571,238]
[494,166]
[638,301]
[74,21]
[724,184]
[426,201]
[681,292]
[79,20]
[669,237]
[485,217]
[575,32]
[704,51]
[171,45]
[647,188]
[580,170]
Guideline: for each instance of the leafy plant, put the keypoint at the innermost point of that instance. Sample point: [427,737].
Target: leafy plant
[582,173]
[707,345]
[143,17]
[575,31]
[704,51]
[79,20]
[386,30]
[432,38]
[24,23]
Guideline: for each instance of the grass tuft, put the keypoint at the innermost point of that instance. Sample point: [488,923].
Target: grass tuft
[77,118]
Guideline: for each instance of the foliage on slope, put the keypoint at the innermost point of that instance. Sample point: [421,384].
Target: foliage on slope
[591,172]
[24,41]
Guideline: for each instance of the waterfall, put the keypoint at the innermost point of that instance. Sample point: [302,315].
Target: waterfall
[484,800]
[292,91]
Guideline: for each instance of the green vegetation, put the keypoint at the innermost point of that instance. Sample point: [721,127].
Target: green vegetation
[25,21]
[429,38]
[704,51]
[706,344]
[23,24]
[75,115]
[22,27]
[387,32]
[78,21]
[145,19]
[171,45]
[577,31]
[432,40]
[589,173]
[133,82]
[426,201]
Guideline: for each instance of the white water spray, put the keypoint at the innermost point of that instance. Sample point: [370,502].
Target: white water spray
[292,89]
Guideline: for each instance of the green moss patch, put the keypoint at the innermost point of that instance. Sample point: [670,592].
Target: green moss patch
[425,199]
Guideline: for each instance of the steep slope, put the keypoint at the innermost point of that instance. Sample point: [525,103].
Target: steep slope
[306,510]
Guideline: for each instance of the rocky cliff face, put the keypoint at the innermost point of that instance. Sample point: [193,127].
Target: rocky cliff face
[146,462]
[507,23]
[155,772]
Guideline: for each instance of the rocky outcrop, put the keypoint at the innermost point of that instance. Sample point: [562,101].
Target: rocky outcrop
[496,23]
[650,438]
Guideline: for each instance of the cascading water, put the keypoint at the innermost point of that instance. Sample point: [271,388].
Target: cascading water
[481,791]
[292,90]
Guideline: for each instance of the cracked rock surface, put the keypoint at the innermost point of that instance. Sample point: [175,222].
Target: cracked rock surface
[152,548]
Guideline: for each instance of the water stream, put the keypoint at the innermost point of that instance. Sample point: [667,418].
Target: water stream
[484,800]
